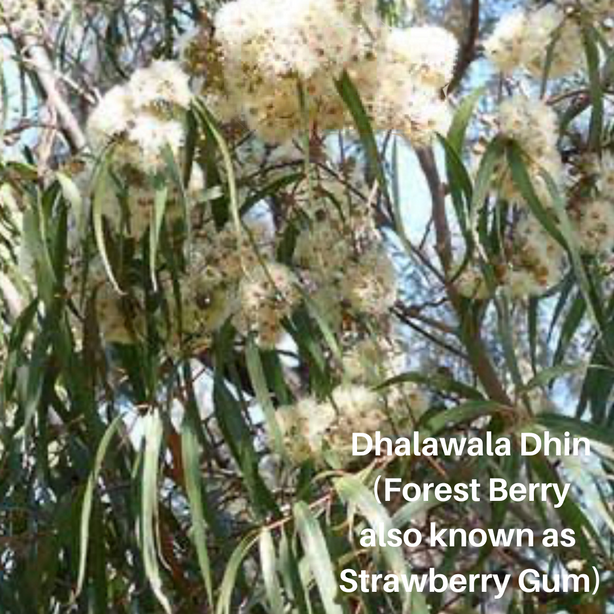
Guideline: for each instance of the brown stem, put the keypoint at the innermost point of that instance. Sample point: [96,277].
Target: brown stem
[467,51]
[469,333]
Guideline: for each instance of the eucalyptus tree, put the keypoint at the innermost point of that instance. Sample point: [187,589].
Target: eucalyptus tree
[233,235]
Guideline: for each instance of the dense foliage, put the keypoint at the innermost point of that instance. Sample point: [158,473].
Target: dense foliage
[234,234]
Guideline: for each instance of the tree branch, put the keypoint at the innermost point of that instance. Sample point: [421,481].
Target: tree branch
[44,75]
[469,334]
[467,51]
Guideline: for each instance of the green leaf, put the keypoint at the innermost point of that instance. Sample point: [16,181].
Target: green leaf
[192,473]
[348,92]
[570,241]
[256,373]
[462,117]
[484,177]
[523,182]
[547,376]
[220,141]
[437,382]
[102,180]
[152,434]
[595,89]
[268,564]
[355,493]
[318,557]
[224,603]
[73,196]
[569,327]
[466,412]
[160,200]
[239,438]
[88,496]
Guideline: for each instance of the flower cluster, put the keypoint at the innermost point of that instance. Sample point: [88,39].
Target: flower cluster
[338,249]
[536,260]
[27,16]
[533,125]
[596,226]
[592,210]
[522,40]
[139,125]
[275,69]
[471,283]
[401,84]
[599,9]
[313,428]
[534,264]
[142,118]
[267,294]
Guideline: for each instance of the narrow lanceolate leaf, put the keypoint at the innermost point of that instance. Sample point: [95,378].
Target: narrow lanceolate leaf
[34,235]
[191,465]
[595,310]
[176,175]
[348,92]
[464,413]
[73,196]
[160,200]
[256,374]
[318,557]
[101,193]
[522,180]
[549,375]
[224,603]
[153,430]
[595,88]
[484,178]
[356,494]
[88,496]
[289,571]
[329,336]
[461,189]
[220,141]
[462,117]
[268,563]
[436,382]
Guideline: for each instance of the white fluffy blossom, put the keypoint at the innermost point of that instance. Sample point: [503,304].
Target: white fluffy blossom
[267,294]
[428,51]
[537,260]
[605,174]
[375,360]
[147,139]
[312,428]
[137,123]
[533,124]
[275,67]
[401,85]
[112,117]
[596,226]
[505,47]
[370,285]
[138,118]
[161,83]
[29,16]
[314,35]
[522,39]
[471,283]
[304,427]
